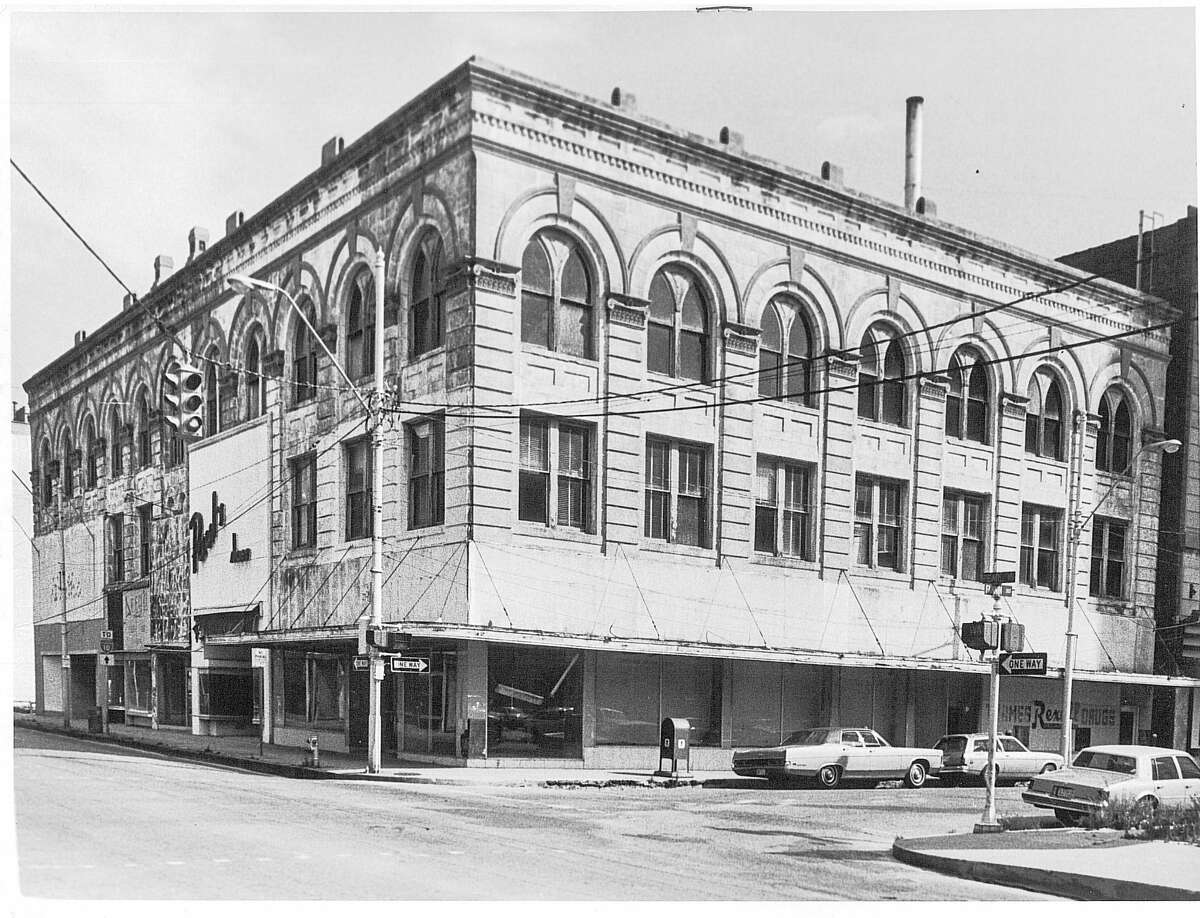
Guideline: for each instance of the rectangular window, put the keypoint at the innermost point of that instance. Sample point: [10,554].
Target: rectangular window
[145,536]
[878,518]
[137,689]
[295,690]
[1040,546]
[574,476]
[783,527]
[533,497]
[227,693]
[304,501]
[963,522]
[114,537]
[627,687]
[326,690]
[677,493]
[358,490]
[555,473]
[426,473]
[1108,559]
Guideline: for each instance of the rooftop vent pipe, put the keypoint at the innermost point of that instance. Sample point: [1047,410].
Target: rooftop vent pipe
[912,151]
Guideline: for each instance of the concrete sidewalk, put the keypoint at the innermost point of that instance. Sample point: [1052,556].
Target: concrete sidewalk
[288,761]
[1093,865]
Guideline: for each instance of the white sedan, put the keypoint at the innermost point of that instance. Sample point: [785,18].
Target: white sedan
[1145,777]
[830,754]
[965,755]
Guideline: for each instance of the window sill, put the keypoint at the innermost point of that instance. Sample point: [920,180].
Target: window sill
[787,561]
[788,405]
[1111,606]
[544,533]
[681,384]
[414,359]
[674,548]
[883,425]
[592,362]
[294,406]
[1047,460]
[881,573]
[300,554]
[968,443]
[1024,589]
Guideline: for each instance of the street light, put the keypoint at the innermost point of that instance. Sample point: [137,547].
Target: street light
[1160,446]
[242,283]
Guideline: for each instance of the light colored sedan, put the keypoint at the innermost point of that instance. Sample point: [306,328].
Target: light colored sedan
[829,754]
[965,755]
[1144,776]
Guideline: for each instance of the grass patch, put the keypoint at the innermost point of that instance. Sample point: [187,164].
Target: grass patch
[1162,823]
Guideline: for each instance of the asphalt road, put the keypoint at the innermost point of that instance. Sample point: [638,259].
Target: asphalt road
[95,821]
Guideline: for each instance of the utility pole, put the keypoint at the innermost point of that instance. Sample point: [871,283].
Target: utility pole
[374,720]
[62,582]
[988,822]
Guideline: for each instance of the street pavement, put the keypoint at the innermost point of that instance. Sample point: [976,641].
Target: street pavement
[98,821]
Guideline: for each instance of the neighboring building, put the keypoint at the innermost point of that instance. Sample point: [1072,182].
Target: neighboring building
[679,432]
[1168,270]
[22,562]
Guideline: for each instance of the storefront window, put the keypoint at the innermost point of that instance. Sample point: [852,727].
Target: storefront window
[327,693]
[116,686]
[807,696]
[627,699]
[295,691]
[226,693]
[691,688]
[755,698]
[172,689]
[137,688]
[535,701]
[430,706]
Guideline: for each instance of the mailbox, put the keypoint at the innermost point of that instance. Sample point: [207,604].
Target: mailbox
[675,748]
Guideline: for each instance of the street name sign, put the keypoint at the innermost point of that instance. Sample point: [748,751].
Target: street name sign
[362,663]
[410,664]
[260,656]
[995,578]
[1022,664]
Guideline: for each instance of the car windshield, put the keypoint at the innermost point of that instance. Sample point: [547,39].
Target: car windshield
[1106,761]
[806,738]
[952,745]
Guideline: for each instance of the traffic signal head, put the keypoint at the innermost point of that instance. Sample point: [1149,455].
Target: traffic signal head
[183,398]
[1012,637]
[387,640]
[981,635]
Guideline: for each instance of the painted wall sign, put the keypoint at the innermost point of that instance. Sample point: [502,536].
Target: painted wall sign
[135,619]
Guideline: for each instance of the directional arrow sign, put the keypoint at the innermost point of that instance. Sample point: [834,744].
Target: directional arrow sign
[410,664]
[362,663]
[1022,664]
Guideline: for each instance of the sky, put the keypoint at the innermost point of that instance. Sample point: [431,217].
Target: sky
[1048,130]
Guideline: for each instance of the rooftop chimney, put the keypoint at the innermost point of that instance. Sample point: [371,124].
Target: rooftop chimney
[128,302]
[332,150]
[197,242]
[233,221]
[732,140]
[80,337]
[912,152]
[163,266]
[624,100]
[831,173]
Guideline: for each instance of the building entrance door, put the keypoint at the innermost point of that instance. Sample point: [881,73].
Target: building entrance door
[360,709]
[430,704]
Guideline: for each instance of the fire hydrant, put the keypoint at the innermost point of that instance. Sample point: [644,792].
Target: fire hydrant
[313,753]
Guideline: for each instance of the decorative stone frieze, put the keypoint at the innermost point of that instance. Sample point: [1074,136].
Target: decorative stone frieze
[1092,421]
[1013,405]
[935,387]
[482,274]
[842,365]
[629,311]
[741,339]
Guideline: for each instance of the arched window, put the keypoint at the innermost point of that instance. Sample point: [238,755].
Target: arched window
[1044,416]
[556,296]
[304,356]
[47,477]
[968,399]
[882,391]
[116,445]
[212,396]
[68,468]
[92,459]
[360,327]
[1116,432]
[143,430]
[425,297]
[785,375]
[253,379]
[677,338]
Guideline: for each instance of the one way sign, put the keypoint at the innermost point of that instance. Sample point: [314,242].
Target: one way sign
[1022,664]
[410,664]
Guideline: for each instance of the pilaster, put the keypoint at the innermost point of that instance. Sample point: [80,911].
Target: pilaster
[1010,466]
[836,499]
[626,350]
[735,473]
[930,440]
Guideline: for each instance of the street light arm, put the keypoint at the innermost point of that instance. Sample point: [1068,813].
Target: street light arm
[1165,446]
[241,281]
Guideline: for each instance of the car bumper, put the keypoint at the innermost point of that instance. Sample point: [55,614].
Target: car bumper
[773,771]
[1048,802]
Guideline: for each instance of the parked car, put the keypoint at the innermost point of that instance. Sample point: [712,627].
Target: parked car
[1144,776]
[831,754]
[965,755]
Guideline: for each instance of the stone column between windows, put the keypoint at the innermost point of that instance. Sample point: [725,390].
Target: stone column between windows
[328,377]
[622,449]
[836,500]
[736,444]
[1141,549]
[928,448]
[1084,438]
[1010,469]
[481,363]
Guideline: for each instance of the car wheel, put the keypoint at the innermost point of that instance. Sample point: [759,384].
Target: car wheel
[829,777]
[916,775]
[1066,817]
[1144,809]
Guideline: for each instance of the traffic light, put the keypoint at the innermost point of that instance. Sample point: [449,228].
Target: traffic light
[387,640]
[1012,637]
[981,635]
[1191,639]
[183,398]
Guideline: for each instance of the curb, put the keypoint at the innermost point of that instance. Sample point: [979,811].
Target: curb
[210,758]
[1035,879]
